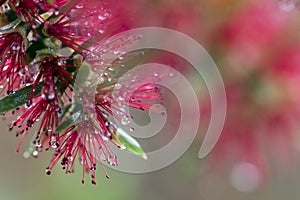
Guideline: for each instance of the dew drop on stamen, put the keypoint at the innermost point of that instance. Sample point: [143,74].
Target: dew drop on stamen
[125,120]
[70,158]
[16,47]
[104,138]
[28,104]
[54,145]
[97,131]
[121,98]
[35,153]
[51,96]
[79,6]
[100,17]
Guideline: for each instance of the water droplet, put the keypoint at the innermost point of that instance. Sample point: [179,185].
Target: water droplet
[51,95]
[70,158]
[100,17]
[118,86]
[79,6]
[104,138]
[97,132]
[121,98]
[16,47]
[35,153]
[28,104]
[61,62]
[125,120]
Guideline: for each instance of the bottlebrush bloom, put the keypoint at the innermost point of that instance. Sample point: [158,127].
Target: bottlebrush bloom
[86,142]
[46,105]
[81,22]
[12,69]
[29,9]
[44,46]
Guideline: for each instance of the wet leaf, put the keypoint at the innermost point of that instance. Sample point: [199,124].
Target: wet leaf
[18,98]
[70,120]
[130,143]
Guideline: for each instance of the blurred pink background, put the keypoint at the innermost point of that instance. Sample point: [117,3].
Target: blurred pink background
[256,45]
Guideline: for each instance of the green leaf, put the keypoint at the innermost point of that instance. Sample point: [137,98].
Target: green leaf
[64,111]
[18,98]
[70,121]
[64,125]
[83,74]
[10,26]
[130,143]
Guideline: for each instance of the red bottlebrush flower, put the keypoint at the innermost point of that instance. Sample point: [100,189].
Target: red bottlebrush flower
[112,96]
[144,96]
[12,55]
[46,105]
[48,110]
[88,138]
[85,141]
[81,22]
[44,53]
[30,9]
[51,68]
